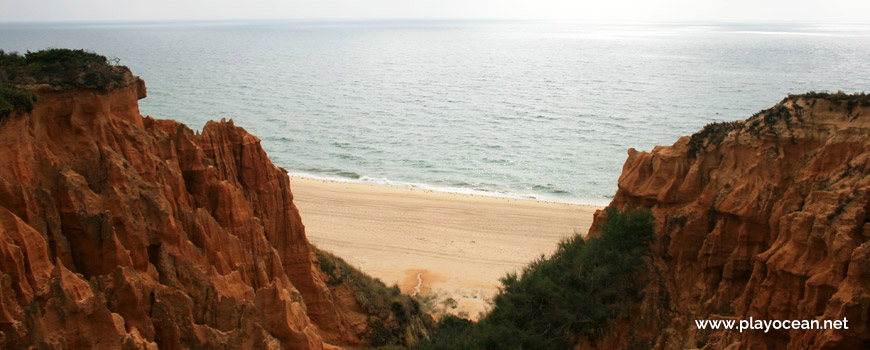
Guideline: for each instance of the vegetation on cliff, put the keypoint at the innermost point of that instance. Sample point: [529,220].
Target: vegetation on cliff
[764,218]
[862,99]
[576,293]
[714,133]
[393,318]
[61,68]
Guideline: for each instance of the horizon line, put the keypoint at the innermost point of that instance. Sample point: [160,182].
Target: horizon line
[432,19]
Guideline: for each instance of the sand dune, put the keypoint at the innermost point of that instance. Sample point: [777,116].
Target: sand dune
[459,245]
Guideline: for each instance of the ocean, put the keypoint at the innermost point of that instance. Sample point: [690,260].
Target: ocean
[536,109]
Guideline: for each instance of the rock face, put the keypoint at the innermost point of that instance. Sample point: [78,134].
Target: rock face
[764,218]
[124,232]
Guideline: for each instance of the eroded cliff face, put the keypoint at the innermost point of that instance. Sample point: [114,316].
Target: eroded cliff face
[764,218]
[118,231]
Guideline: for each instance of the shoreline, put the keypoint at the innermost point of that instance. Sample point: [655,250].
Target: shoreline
[443,245]
[456,190]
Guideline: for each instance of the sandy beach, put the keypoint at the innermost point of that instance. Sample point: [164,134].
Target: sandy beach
[442,244]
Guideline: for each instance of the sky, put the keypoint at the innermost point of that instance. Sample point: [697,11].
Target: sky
[836,11]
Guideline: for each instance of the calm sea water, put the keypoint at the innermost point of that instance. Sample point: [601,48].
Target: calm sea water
[536,109]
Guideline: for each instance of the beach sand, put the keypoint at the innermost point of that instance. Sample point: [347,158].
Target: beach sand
[457,245]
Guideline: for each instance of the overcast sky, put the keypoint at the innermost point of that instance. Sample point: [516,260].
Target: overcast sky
[627,10]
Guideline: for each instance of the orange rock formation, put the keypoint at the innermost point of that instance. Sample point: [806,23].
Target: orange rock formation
[124,232]
[764,218]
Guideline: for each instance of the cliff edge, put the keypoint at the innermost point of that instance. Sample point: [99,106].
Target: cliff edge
[124,232]
[764,218]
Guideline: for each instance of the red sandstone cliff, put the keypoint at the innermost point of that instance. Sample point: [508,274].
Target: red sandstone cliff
[124,232]
[764,218]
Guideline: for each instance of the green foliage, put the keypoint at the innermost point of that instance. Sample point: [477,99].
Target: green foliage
[60,68]
[328,267]
[453,333]
[575,293]
[393,316]
[450,303]
[839,96]
[12,98]
[765,120]
[849,101]
[712,133]
[427,302]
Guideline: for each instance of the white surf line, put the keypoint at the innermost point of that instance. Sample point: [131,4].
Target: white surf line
[419,284]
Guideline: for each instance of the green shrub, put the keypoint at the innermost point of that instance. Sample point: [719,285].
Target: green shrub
[765,120]
[61,68]
[328,267]
[393,318]
[711,134]
[839,96]
[575,293]
[12,98]
[452,333]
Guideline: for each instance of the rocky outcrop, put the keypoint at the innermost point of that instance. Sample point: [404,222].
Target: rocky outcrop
[764,218]
[124,232]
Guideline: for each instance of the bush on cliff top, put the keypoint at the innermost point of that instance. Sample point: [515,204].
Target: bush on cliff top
[12,98]
[61,68]
[712,133]
[838,96]
[765,120]
[555,302]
